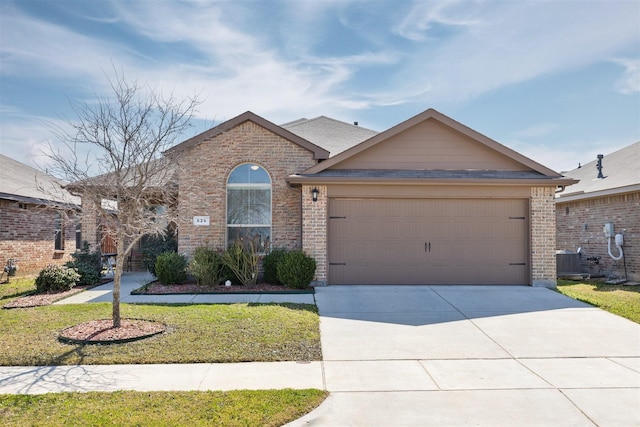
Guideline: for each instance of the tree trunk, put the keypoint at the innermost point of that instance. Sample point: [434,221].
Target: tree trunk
[117,277]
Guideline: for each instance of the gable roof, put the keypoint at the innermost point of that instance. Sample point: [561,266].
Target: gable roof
[318,152]
[432,114]
[23,183]
[621,172]
[331,134]
[511,167]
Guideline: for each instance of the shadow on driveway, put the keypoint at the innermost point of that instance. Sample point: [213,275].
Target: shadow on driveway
[459,322]
[423,305]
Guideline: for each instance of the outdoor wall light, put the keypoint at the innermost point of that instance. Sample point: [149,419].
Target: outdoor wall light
[314,194]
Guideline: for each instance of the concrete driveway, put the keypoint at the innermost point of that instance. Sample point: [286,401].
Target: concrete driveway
[473,355]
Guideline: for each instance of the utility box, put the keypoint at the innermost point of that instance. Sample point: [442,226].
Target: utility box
[568,264]
[608,229]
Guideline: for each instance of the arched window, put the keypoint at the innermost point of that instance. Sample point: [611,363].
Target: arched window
[249,206]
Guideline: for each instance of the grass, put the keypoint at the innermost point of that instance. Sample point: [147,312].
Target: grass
[196,333]
[621,300]
[233,408]
[16,288]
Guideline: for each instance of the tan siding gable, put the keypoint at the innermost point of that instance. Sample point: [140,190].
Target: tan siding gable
[434,146]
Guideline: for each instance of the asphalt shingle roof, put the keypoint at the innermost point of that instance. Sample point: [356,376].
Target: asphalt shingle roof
[23,183]
[433,174]
[331,134]
[620,168]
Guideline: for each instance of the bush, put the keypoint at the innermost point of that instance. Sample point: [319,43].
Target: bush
[88,264]
[171,268]
[243,262]
[56,278]
[296,270]
[88,275]
[207,266]
[152,246]
[270,265]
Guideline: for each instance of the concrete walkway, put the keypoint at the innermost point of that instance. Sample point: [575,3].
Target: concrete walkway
[134,280]
[418,356]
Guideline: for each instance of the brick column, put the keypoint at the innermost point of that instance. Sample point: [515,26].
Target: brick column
[314,230]
[89,218]
[543,237]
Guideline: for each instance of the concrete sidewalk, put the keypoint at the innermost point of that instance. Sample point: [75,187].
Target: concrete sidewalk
[421,356]
[133,280]
[183,377]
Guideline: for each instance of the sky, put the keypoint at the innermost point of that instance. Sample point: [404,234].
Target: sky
[557,81]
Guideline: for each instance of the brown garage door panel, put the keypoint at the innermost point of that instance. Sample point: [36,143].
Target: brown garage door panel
[428,241]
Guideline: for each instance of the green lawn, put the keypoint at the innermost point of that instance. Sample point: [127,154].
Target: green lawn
[233,408]
[621,300]
[16,288]
[195,334]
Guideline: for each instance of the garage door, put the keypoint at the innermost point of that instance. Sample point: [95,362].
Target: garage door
[428,241]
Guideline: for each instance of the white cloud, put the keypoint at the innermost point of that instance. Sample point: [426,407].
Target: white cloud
[423,21]
[35,48]
[629,83]
[512,42]
[238,58]
[25,138]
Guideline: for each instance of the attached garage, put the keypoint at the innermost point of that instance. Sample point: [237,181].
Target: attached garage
[430,201]
[428,241]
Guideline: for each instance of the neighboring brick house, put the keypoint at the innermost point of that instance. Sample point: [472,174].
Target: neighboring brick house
[33,226]
[429,201]
[584,208]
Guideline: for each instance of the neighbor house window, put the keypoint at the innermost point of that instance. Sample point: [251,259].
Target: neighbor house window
[78,235]
[249,206]
[58,233]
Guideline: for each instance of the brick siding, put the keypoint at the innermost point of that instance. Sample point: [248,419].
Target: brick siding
[203,174]
[27,233]
[543,237]
[314,229]
[580,224]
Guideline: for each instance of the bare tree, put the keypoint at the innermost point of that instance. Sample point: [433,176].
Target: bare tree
[113,157]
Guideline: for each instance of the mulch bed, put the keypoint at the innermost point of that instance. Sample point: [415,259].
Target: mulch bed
[38,300]
[156,288]
[102,331]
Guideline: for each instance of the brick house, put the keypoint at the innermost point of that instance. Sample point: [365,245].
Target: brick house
[429,201]
[36,218]
[612,196]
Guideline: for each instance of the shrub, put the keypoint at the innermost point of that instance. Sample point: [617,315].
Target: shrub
[171,267]
[88,264]
[56,278]
[88,275]
[152,246]
[207,266]
[270,265]
[243,262]
[296,270]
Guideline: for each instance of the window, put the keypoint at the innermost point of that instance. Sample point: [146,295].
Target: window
[249,206]
[58,233]
[78,235]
